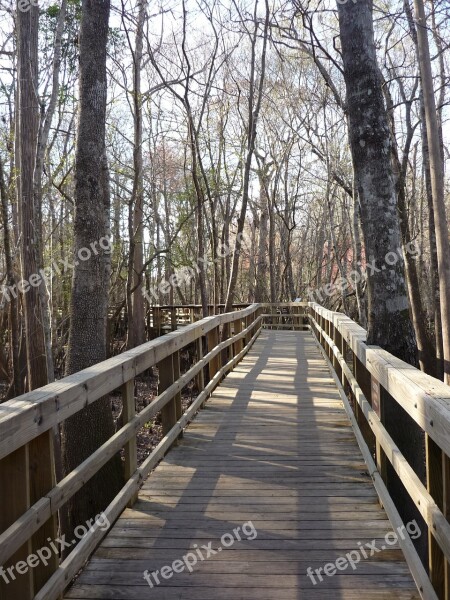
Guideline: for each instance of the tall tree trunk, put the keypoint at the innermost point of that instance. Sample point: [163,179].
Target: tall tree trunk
[135,298]
[17,383]
[262,270]
[389,324]
[27,135]
[42,140]
[88,429]
[254,106]
[434,279]
[437,180]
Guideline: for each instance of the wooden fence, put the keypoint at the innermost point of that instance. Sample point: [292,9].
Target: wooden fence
[371,382]
[382,388]
[30,496]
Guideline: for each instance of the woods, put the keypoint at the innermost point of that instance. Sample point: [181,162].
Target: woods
[214,153]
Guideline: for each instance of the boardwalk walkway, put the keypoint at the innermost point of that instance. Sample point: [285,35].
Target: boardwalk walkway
[274,447]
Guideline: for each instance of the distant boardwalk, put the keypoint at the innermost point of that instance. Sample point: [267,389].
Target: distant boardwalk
[273,447]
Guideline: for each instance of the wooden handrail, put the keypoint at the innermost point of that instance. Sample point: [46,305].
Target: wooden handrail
[370,369]
[31,415]
[425,399]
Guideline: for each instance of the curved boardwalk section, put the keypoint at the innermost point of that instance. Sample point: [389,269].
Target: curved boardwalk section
[267,485]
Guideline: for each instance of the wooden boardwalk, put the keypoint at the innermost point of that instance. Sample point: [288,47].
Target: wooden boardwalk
[273,446]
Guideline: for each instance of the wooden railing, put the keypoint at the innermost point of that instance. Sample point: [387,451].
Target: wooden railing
[287,315]
[170,317]
[32,417]
[402,421]
[371,381]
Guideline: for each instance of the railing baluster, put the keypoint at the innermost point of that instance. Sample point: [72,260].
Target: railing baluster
[213,340]
[14,501]
[130,449]
[166,378]
[176,375]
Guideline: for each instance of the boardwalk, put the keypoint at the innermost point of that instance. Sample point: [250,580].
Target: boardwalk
[274,447]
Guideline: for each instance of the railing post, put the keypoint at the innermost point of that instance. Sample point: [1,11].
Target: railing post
[362,376]
[42,479]
[446,511]
[337,340]
[130,449]
[438,485]
[238,344]
[173,318]
[14,501]
[377,401]
[157,320]
[248,322]
[166,378]
[213,340]
[176,376]
[200,379]
[344,351]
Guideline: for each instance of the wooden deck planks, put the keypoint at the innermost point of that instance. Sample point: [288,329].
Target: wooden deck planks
[274,447]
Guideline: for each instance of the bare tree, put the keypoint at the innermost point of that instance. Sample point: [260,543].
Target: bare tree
[87,430]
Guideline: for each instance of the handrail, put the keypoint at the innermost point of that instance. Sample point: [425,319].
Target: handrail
[26,418]
[369,375]
[374,379]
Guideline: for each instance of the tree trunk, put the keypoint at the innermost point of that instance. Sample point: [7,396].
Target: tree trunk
[135,298]
[17,383]
[27,135]
[262,270]
[437,181]
[88,429]
[389,324]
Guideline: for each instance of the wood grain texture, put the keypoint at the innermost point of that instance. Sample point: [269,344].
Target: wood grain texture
[274,447]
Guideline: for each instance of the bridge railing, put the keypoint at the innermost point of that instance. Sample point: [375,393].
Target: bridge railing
[287,315]
[403,416]
[29,504]
[164,318]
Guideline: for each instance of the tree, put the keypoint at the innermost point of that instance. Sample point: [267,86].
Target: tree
[389,323]
[437,180]
[88,429]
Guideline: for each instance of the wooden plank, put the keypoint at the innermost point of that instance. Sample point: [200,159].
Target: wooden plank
[130,448]
[15,500]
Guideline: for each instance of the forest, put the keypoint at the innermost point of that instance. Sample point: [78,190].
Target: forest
[224,161]
[217,157]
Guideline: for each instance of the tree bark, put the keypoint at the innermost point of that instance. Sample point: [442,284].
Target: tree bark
[389,324]
[27,135]
[135,298]
[88,429]
[437,180]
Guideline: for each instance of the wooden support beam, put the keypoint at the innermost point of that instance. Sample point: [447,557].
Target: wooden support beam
[177,398]
[42,479]
[213,340]
[130,448]
[435,463]
[166,378]
[14,501]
